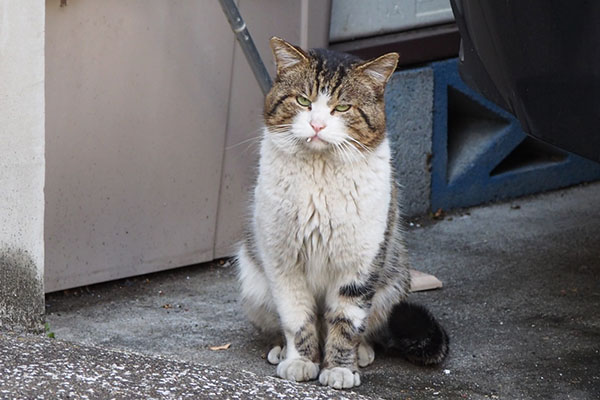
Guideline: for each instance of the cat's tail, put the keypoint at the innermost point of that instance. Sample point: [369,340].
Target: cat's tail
[416,335]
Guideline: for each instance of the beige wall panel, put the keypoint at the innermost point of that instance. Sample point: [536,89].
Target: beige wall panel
[137,94]
[304,22]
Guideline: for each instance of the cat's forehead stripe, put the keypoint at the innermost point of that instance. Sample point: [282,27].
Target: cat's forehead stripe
[341,73]
[318,73]
[326,77]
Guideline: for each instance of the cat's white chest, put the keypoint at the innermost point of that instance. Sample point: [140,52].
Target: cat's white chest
[327,202]
[320,212]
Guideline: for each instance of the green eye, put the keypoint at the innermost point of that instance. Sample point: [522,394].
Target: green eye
[303,101]
[342,107]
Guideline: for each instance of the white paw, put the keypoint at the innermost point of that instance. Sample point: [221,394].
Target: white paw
[276,355]
[297,369]
[339,378]
[366,354]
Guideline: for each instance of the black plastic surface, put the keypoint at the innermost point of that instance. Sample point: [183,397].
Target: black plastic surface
[539,60]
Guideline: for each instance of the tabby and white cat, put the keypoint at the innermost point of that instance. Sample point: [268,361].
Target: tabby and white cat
[323,265]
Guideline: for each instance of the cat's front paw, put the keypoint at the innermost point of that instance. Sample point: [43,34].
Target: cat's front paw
[339,378]
[297,369]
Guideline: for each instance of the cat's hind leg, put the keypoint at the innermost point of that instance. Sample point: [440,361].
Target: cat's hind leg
[366,354]
[256,298]
[276,354]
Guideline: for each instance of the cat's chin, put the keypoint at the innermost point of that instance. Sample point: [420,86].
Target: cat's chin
[317,144]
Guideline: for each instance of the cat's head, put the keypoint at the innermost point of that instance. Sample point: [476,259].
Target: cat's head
[326,101]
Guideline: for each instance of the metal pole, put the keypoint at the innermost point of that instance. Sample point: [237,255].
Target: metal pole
[238,26]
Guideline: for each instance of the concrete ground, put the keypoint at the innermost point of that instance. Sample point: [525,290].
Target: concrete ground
[520,301]
[35,367]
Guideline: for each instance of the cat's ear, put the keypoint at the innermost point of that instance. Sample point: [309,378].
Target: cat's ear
[381,68]
[286,55]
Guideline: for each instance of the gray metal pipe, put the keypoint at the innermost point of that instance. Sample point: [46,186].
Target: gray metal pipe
[238,26]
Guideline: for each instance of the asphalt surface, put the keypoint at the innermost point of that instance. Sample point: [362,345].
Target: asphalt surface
[520,301]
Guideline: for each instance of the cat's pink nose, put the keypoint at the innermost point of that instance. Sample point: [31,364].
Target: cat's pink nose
[317,126]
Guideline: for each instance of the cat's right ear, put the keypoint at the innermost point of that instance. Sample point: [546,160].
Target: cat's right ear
[287,55]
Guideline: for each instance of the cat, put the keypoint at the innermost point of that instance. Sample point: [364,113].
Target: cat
[323,264]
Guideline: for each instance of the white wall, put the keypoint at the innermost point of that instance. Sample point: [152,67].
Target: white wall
[137,95]
[21,161]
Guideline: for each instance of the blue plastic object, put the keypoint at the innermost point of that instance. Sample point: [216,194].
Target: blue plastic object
[481,154]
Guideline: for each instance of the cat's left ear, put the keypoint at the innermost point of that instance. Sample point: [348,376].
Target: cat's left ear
[381,68]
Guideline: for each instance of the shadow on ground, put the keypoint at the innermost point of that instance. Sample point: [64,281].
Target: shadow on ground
[520,300]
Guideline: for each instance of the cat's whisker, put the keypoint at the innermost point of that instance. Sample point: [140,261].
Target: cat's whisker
[368,150]
[338,151]
[252,139]
[287,139]
[280,128]
[356,146]
[347,156]
[356,151]
[348,149]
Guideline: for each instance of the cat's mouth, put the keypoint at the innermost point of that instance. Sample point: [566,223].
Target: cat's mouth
[316,142]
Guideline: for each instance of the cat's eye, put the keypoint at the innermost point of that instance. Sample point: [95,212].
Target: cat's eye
[303,101]
[342,107]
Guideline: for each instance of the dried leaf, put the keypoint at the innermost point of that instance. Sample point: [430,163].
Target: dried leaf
[222,347]
[439,214]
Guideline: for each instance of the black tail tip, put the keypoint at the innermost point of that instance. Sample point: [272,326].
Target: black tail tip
[416,335]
